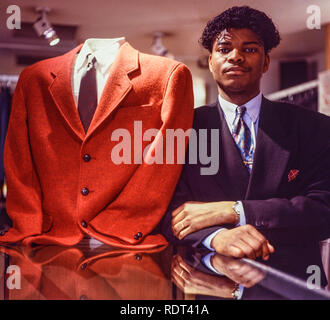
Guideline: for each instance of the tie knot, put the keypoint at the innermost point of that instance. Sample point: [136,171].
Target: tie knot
[241,111]
[90,61]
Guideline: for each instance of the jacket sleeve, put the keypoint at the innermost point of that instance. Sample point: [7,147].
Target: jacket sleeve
[307,214]
[144,199]
[23,201]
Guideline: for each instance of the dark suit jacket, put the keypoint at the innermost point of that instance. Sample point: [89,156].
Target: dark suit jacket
[5,103]
[288,138]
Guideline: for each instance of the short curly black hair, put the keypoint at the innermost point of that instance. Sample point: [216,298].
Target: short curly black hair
[239,18]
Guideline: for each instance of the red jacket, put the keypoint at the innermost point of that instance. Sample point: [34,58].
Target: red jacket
[46,144]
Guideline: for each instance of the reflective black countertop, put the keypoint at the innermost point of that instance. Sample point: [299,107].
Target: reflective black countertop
[89,271]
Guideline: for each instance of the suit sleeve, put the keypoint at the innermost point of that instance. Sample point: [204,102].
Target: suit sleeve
[307,215]
[23,201]
[144,199]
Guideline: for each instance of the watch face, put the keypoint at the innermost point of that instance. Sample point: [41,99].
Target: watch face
[236,293]
[235,207]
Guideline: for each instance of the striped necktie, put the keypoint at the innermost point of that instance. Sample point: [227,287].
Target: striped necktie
[242,136]
[87,100]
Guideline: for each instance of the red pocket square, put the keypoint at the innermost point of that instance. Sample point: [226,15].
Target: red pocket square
[293,174]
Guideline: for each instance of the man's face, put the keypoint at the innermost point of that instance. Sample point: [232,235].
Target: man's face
[238,61]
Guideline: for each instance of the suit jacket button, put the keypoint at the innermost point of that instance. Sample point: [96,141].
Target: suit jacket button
[2,233]
[139,234]
[87,157]
[83,266]
[84,224]
[84,191]
[136,237]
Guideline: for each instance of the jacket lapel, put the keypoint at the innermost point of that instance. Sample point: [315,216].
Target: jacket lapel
[62,93]
[118,85]
[273,149]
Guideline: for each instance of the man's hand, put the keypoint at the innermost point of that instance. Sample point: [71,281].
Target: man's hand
[244,241]
[194,216]
[237,270]
[193,281]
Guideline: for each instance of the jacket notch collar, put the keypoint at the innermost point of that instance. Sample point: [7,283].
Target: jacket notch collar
[62,93]
[117,86]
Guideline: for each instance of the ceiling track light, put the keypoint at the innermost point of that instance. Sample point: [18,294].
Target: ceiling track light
[44,28]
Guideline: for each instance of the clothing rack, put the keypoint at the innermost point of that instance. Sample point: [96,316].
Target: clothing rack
[8,79]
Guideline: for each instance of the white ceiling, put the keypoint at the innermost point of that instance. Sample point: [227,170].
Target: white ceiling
[183,19]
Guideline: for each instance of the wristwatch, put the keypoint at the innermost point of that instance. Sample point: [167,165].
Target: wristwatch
[236,209]
[236,292]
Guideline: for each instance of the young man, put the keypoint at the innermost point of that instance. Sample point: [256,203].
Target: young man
[274,165]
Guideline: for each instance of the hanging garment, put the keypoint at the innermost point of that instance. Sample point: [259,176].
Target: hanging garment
[64,183]
[5,103]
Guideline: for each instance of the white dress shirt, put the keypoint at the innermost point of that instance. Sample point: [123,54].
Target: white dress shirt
[105,52]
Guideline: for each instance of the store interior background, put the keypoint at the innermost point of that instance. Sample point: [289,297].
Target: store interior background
[182,22]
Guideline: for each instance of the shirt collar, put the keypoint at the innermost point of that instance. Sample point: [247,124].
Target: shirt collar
[252,108]
[104,50]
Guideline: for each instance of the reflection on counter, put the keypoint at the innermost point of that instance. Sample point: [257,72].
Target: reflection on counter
[54,273]
[292,272]
[170,273]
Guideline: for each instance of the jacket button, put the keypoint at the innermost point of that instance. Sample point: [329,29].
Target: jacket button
[138,257]
[83,266]
[84,191]
[2,233]
[84,224]
[136,237]
[87,157]
[139,234]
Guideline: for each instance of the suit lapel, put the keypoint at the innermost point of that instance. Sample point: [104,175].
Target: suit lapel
[62,93]
[118,85]
[273,149]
